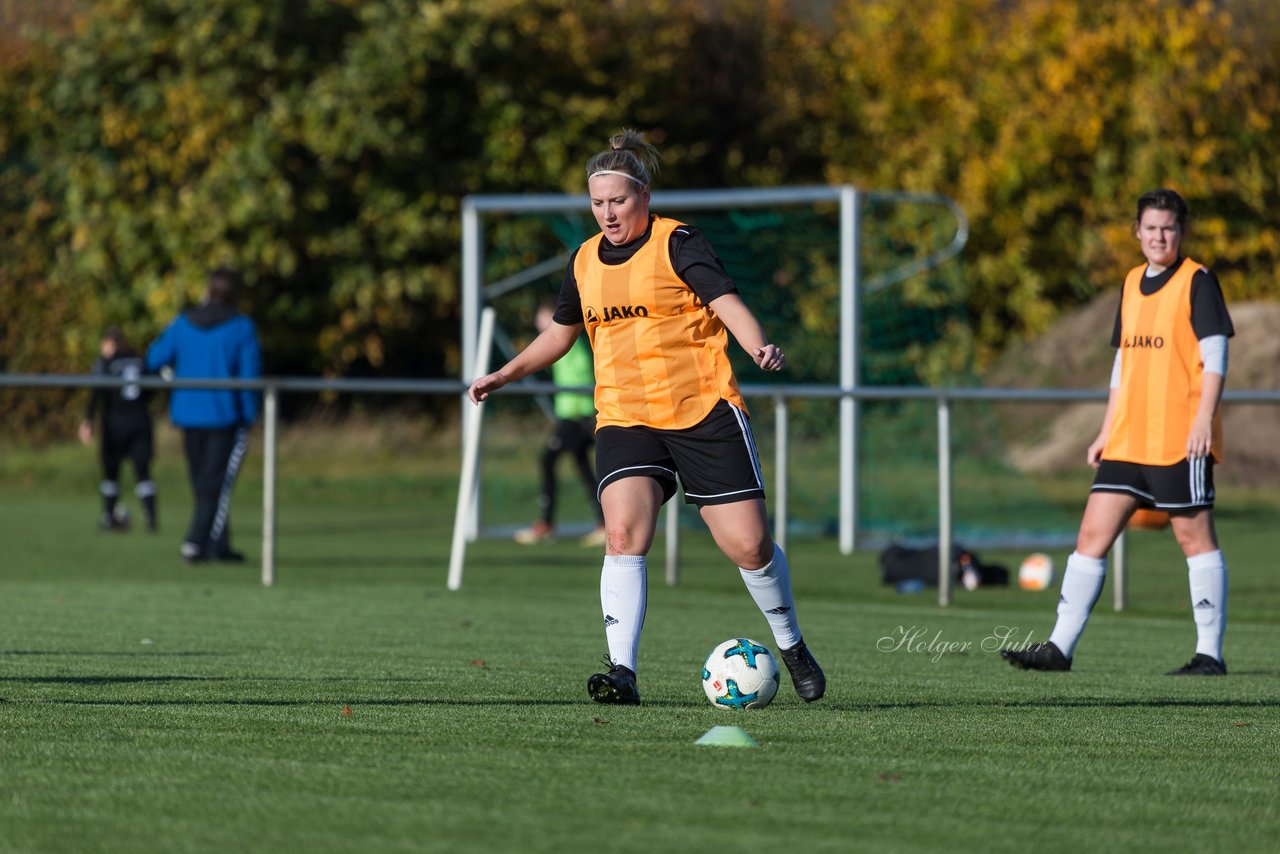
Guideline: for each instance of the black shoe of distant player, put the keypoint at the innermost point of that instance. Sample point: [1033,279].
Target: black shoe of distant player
[1201,665]
[806,675]
[617,687]
[229,556]
[1038,656]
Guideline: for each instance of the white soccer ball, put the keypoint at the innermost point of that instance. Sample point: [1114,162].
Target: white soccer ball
[1036,572]
[740,674]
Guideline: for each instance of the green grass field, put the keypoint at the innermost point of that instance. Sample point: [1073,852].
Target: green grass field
[359,706]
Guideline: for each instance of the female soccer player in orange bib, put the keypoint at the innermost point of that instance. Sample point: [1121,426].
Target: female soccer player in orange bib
[1160,437]
[656,303]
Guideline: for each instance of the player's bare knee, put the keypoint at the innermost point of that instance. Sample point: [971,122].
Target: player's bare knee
[1094,541]
[620,541]
[1194,543]
[751,554]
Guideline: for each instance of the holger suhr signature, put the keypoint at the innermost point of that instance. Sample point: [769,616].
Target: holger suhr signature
[919,640]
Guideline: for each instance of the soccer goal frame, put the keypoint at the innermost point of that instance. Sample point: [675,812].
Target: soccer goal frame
[476,293]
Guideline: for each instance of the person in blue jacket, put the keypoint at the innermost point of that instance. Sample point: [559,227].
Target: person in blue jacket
[211,341]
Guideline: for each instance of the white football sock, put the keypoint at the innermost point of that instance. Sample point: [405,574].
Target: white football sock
[624,586]
[1081,584]
[770,587]
[1207,574]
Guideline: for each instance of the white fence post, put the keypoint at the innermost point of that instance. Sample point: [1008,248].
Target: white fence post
[944,501]
[673,540]
[850,275]
[1119,574]
[270,398]
[782,451]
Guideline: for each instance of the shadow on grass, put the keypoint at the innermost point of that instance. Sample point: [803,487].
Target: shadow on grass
[72,652]
[352,525]
[352,562]
[108,680]
[1096,703]
[338,701]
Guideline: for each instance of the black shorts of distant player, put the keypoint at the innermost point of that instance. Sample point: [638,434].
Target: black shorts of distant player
[715,460]
[127,439]
[1185,485]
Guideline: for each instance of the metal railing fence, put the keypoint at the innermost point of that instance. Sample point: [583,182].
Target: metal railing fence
[943,398]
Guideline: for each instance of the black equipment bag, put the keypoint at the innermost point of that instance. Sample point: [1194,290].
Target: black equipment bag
[902,563]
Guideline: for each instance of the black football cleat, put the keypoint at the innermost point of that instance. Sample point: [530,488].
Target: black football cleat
[1038,656]
[1201,665]
[806,675]
[617,687]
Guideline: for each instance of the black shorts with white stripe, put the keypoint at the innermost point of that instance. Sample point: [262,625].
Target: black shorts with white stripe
[1185,485]
[715,460]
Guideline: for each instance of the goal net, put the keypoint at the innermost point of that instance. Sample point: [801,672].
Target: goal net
[785,253]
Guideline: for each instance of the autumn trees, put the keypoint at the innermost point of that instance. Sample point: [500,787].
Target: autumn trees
[324,146]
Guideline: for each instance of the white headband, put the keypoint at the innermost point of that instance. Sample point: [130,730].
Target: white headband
[616,172]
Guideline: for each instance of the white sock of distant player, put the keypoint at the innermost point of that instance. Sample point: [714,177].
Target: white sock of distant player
[110,490]
[624,587]
[770,587]
[1207,574]
[1081,584]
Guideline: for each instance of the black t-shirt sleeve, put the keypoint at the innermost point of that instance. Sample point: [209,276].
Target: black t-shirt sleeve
[698,265]
[1115,329]
[569,305]
[1209,314]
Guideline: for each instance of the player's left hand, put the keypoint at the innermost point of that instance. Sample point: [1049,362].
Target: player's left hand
[1200,440]
[482,387]
[770,357]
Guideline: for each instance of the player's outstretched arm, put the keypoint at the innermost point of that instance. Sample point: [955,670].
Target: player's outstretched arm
[748,332]
[541,353]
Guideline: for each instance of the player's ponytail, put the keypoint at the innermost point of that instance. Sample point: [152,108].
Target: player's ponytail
[628,154]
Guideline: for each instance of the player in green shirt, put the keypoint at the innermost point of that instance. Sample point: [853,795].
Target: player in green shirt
[573,434]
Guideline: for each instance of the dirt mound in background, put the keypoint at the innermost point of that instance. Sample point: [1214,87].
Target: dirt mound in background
[1077,353]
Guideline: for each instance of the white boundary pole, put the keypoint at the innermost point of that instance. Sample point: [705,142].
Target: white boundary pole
[470,456]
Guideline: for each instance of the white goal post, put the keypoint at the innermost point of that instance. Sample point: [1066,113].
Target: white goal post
[476,291]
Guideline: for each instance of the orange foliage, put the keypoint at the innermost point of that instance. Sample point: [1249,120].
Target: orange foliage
[1046,119]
